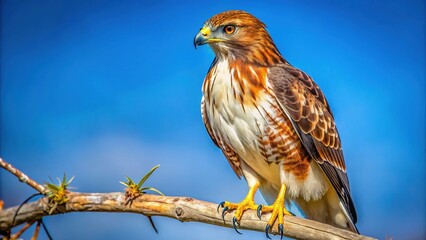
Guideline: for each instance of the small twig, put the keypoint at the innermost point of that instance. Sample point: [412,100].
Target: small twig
[36,231]
[22,176]
[22,230]
[22,204]
[152,224]
[45,229]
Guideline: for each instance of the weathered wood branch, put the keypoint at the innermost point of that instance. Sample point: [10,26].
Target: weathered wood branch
[184,209]
[181,208]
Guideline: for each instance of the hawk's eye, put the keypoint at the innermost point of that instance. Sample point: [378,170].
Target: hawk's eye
[229,29]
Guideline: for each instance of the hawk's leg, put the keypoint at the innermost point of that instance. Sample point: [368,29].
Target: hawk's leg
[277,211]
[240,208]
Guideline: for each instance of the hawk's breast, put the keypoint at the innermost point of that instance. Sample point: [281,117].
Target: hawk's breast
[243,114]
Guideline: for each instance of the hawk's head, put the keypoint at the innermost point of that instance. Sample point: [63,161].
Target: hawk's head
[238,35]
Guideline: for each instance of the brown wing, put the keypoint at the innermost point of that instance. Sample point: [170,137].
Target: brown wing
[303,101]
[231,156]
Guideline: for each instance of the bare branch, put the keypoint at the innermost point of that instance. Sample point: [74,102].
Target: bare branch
[22,176]
[181,208]
[184,209]
[22,230]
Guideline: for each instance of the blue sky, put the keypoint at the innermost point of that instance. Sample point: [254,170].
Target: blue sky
[105,89]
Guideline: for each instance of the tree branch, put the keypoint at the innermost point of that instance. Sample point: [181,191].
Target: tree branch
[22,176]
[184,209]
[181,208]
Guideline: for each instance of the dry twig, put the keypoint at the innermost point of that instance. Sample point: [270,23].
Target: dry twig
[22,176]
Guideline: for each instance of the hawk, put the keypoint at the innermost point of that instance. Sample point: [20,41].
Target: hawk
[273,124]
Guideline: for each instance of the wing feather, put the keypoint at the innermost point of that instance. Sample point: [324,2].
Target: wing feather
[303,101]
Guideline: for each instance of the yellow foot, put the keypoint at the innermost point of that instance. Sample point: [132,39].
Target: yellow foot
[240,208]
[277,211]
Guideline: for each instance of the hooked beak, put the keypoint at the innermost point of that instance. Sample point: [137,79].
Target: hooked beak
[202,37]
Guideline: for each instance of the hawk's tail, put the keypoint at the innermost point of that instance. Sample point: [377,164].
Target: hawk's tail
[329,209]
[351,224]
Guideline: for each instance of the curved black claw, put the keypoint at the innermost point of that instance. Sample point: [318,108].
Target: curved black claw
[281,230]
[292,214]
[224,212]
[234,224]
[259,211]
[267,231]
[220,205]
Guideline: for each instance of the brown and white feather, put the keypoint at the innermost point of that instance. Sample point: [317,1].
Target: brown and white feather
[273,122]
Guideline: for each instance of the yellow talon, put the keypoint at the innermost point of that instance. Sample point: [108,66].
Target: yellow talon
[240,208]
[277,210]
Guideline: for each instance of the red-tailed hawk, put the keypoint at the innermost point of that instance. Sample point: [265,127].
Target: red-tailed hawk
[273,124]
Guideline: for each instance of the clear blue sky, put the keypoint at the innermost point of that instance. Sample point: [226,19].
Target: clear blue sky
[104,89]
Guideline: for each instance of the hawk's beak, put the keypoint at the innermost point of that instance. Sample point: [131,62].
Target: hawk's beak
[202,37]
